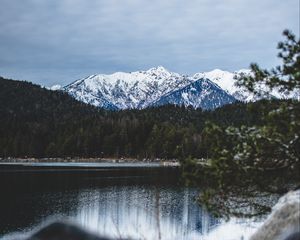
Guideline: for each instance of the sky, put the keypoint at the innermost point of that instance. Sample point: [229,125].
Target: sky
[58,41]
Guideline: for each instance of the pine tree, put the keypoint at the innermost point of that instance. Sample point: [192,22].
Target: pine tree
[247,160]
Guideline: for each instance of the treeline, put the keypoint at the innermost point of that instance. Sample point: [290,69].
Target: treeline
[36,122]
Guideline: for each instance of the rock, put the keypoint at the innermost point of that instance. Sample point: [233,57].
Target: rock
[64,231]
[284,221]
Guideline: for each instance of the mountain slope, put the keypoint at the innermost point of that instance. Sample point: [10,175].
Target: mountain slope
[199,94]
[138,90]
[37,122]
[226,80]
[28,100]
[158,86]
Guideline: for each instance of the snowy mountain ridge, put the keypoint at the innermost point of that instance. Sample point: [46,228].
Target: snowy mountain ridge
[126,90]
[158,86]
[226,81]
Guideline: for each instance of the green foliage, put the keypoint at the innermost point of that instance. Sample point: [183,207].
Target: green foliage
[36,122]
[285,78]
[255,158]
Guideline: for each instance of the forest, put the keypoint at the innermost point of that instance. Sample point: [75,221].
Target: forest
[37,122]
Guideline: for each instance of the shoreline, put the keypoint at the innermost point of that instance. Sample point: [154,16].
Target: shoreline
[85,160]
[86,163]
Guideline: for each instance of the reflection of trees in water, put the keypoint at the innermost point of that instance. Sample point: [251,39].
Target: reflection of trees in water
[23,208]
[133,210]
[111,206]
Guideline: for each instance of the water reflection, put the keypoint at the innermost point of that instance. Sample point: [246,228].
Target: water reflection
[143,212]
[141,203]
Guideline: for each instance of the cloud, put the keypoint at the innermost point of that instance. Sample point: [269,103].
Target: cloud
[58,41]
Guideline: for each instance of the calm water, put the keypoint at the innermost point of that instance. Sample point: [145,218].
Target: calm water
[139,202]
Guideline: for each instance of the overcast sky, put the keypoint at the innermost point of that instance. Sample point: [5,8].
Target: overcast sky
[58,41]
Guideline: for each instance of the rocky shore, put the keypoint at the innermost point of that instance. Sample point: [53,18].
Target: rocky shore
[284,221]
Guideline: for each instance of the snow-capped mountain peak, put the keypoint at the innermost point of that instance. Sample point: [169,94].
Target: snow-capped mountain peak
[160,70]
[226,80]
[223,78]
[138,89]
[158,86]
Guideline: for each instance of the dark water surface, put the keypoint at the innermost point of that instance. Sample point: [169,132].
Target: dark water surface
[114,200]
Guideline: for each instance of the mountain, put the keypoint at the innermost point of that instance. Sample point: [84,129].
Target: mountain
[38,122]
[126,90]
[154,87]
[158,86]
[226,80]
[200,94]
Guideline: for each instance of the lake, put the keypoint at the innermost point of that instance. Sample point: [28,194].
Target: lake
[141,201]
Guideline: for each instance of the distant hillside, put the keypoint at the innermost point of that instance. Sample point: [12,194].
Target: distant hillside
[19,98]
[37,122]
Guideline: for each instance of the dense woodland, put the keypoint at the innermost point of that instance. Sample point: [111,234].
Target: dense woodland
[36,122]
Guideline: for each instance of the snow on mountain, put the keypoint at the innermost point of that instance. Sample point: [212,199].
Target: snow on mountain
[201,93]
[158,86]
[226,80]
[55,87]
[141,89]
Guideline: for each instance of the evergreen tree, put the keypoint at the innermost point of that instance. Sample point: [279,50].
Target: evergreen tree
[252,159]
